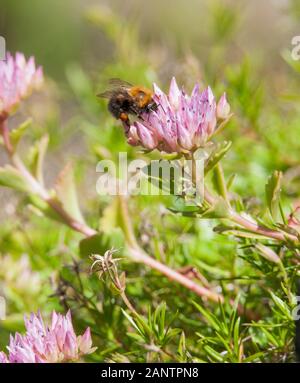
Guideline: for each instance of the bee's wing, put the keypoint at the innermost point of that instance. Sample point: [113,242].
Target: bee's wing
[106,94]
[117,82]
[115,85]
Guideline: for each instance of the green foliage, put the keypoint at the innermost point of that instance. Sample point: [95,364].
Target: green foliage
[273,193]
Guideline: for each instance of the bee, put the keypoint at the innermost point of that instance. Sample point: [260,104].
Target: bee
[125,99]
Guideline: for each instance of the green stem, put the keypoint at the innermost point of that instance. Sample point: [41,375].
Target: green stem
[128,304]
[220,182]
[140,256]
[5,134]
[254,227]
[126,223]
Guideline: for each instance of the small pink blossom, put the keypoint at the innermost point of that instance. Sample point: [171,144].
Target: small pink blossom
[181,123]
[223,108]
[18,78]
[48,344]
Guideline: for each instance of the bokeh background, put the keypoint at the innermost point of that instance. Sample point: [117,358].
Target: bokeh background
[241,47]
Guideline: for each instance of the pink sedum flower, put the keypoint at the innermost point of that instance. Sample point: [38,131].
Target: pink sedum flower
[48,344]
[18,78]
[181,123]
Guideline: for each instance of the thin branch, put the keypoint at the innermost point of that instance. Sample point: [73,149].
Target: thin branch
[254,227]
[173,275]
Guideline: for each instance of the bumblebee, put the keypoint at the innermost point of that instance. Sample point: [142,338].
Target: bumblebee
[125,99]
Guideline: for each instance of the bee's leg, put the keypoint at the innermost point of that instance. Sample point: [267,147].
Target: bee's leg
[152,106]
[125,119]
[134,110]
[149,108]
[140,117]
[160,105]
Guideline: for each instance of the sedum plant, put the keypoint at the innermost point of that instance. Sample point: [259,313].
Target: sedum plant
[202,312]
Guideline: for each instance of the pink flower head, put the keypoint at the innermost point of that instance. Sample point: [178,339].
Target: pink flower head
[48,344]
[181,123]
[18,78]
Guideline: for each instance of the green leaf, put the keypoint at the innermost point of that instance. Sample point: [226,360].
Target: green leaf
[182,348]
[41,208]
[37,156]
[273,188]
[271,338]
[179,206]
[11,178]
[213,354]
[143,326]
[209,317]
[99,243]
[110,216]
[136,337]
[282,306]
[170,335]
[162,174]
[159,317]
[230,181]
[67,274]
[17,133]
[219,182]
[91,245]
[237,232]
[66,193]
[218,210]
[140,325]
[251,358]
[236,333]
[217,154]
[130,319]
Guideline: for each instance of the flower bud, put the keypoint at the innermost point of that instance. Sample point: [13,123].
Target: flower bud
[223,108]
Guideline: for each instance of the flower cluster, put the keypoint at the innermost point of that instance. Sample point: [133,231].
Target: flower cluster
[43,344]
[18,78]
[181,123]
